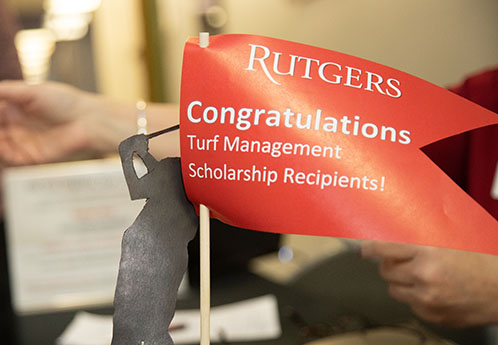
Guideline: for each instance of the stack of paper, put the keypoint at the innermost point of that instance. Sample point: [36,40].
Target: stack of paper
[249,320]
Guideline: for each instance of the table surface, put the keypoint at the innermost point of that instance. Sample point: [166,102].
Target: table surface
[341,294]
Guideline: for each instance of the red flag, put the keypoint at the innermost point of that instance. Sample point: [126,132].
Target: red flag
[283,137]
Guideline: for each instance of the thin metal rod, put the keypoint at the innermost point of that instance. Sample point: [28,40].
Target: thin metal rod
[163,131]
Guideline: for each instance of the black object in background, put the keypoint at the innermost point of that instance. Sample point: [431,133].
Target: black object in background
[231,250]
[8,324]
[9,69]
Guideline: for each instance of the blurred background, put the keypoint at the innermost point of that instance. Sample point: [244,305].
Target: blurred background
[132,49]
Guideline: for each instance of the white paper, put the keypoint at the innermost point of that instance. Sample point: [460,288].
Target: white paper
[87,329]
[249,320]
[64,228]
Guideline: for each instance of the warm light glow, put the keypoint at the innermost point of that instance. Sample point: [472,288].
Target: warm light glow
[70,6]
[35,47]
[69,19]
[68,27]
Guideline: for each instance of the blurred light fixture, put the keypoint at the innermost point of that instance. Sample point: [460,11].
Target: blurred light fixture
[61,7]
[216,16]
[67,27]
[69,19]
[35,48]
[285,254]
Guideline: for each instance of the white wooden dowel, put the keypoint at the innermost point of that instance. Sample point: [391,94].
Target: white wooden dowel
[205,275]
[204,39]
[205,251]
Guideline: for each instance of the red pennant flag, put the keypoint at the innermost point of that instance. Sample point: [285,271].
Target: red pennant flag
[283,137]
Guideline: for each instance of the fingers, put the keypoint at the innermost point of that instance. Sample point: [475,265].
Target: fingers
[52,102]
[10,113]
[18,147]
[388,250]
[440,285]
[403,293]
[397,267]
[15,91]
[398,272]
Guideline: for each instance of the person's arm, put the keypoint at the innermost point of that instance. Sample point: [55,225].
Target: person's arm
[52,122]
[441,285]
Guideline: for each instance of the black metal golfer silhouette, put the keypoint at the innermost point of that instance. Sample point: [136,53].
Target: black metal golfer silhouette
[154,248]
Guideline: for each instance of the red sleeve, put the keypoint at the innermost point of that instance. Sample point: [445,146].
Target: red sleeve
[471,159]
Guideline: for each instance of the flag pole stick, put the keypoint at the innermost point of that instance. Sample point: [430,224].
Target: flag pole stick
[205,277]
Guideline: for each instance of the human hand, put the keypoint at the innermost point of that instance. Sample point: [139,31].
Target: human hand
[441,285]
[52,121]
